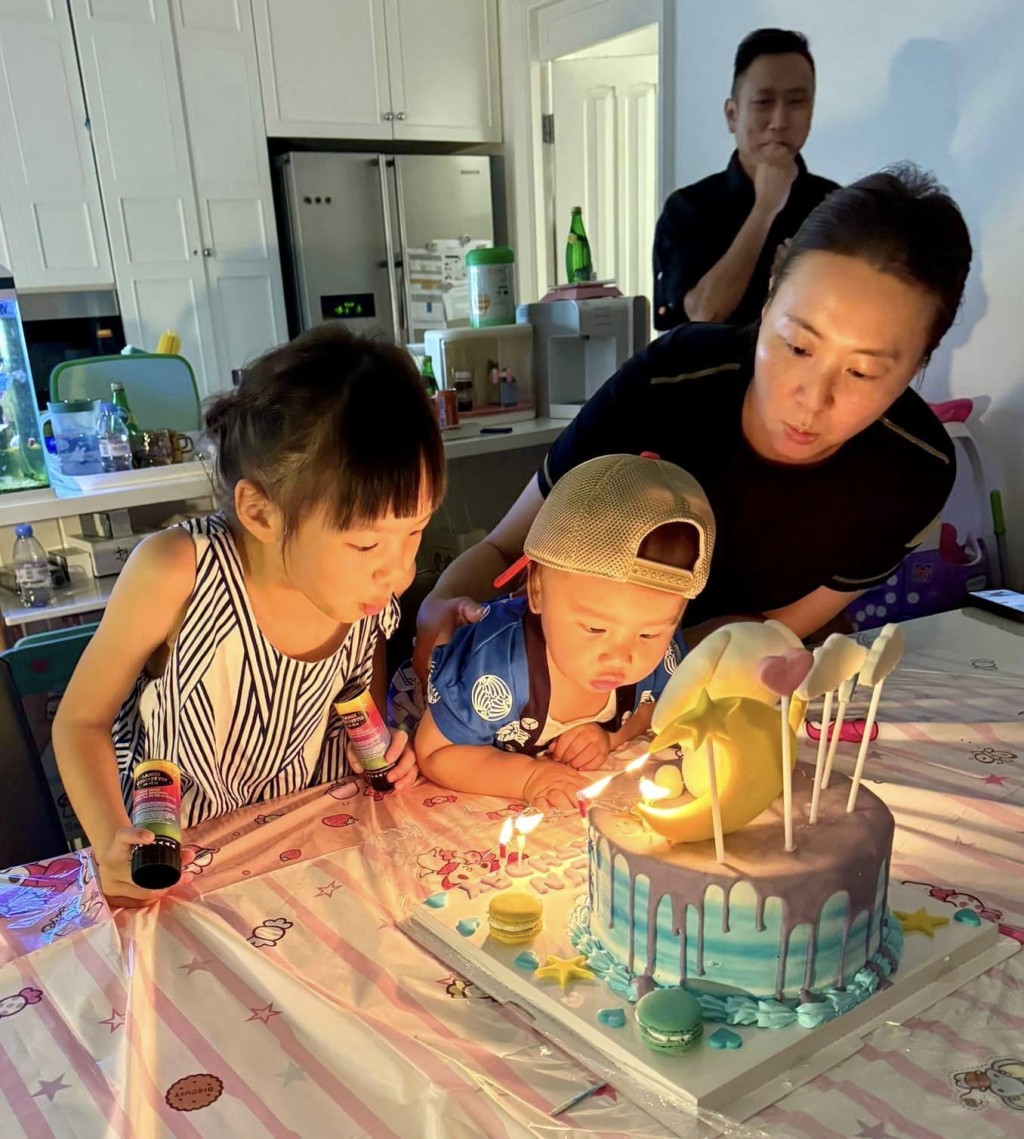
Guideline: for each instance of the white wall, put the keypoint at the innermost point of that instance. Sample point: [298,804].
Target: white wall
[936,81]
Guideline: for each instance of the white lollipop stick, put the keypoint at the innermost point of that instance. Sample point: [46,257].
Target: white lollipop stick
[716,809]
[845,693]
[787,776]
[869,723]
[819,766]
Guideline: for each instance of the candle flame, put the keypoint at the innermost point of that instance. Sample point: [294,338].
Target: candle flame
[638,762]
[652,791]
[595,789]
[506,831]
[526,822]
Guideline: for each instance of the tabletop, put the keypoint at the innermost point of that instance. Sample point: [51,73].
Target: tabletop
[273,994]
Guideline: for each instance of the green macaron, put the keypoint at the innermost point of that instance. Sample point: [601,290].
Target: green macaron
[670,1020]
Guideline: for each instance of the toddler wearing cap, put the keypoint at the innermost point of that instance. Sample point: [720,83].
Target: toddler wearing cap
[573,667]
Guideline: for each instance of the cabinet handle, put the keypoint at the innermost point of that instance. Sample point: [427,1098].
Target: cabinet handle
[400,116]
[207,252]
[388,116]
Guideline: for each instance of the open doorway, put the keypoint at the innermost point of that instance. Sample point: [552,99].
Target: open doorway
[600,152]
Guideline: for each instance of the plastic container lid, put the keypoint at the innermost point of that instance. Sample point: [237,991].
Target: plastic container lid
[23,530]
[499,255]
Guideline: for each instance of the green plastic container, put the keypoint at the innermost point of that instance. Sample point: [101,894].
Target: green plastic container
[492,286]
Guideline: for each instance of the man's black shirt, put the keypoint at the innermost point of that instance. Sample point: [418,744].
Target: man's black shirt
[700,222]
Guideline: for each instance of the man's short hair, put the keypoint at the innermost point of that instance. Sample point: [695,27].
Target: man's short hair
[768,41]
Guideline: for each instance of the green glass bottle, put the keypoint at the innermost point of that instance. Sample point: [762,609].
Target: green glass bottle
[119,398]
[578,263]
[429,379]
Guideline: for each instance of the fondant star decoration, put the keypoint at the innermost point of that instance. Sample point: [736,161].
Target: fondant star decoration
[564,970]
[705,718]
[920,921]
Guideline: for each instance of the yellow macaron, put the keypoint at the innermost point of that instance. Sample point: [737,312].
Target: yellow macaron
[515,917]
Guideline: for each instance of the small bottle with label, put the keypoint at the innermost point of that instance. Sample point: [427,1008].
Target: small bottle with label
[156,806]
[115,440]
[369,737]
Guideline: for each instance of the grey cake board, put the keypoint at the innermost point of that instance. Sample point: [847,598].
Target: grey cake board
[734,1083]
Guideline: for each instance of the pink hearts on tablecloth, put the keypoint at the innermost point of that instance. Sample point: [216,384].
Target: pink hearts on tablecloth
[783,674]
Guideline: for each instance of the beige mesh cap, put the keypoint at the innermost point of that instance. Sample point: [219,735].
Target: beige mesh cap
[598,514]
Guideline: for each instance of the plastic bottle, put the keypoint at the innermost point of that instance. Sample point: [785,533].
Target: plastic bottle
[370,738]
[156,806]
[115,440]
[31,569]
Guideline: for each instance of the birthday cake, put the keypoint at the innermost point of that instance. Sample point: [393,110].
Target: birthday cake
[808,928]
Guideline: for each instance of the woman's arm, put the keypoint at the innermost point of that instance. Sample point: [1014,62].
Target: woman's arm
[487,771]
[813,611]
[145,608]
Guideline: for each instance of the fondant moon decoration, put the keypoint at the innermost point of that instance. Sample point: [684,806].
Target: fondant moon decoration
[725,663]
[748,766]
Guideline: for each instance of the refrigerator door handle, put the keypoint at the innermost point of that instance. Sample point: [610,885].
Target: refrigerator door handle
[403,247]
[396,317]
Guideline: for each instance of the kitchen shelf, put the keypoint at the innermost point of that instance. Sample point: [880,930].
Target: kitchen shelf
[93,593]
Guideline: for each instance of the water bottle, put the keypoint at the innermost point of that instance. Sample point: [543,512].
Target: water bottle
[115,439]
[31,569]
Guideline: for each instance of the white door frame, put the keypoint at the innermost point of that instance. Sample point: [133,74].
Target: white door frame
[532,32]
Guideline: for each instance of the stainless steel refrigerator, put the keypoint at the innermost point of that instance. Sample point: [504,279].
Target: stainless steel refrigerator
[350,220]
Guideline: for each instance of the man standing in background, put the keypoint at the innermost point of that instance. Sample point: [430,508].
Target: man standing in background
[716,240]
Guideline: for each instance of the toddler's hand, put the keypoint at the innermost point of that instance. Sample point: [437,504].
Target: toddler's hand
[405,772]
[553,786]
[585,747]
[114,868]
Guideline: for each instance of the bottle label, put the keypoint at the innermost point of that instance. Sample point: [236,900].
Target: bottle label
[156,802]
[367,731]
[115,449]
[31,575]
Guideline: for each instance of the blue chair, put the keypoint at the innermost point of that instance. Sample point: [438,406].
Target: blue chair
[39,667]
[161,389]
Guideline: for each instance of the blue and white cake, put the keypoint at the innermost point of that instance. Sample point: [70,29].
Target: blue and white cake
[805,932]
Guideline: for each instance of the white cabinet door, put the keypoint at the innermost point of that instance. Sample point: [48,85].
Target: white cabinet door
[126,51]
[231,171]
[49,193]
[323,68]
[443,56]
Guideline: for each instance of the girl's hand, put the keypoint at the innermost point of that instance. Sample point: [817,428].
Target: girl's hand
[553,786]
[405,772]
[585,747]
[114,869]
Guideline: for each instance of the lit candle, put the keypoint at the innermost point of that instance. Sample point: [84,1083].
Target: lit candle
[651,792]
[587,793]
[503,839]
[525,823]
[637,763]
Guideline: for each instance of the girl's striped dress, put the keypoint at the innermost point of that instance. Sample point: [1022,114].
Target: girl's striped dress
[243,721]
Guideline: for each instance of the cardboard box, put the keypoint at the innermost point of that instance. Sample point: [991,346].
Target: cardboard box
[106,524]
[108,555]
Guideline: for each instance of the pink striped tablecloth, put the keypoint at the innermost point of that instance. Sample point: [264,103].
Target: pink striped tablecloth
[272,994]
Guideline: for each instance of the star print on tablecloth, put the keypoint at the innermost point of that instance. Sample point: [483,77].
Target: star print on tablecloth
[920,921]
[197,965]
[263,1014]
[564,970]
[328,890]
[292,1073]
[995,780]
[115,1020]
[50,1088]
[877,1132]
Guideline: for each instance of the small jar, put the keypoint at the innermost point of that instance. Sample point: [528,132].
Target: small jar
[463,384]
